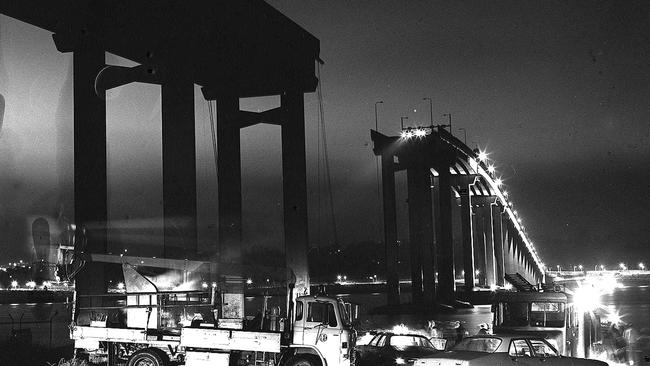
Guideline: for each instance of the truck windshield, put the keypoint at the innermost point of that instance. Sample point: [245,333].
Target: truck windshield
[547,314]
[345,317]
[534,314]
[515,314]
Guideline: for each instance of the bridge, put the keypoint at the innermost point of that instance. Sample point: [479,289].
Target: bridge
[232,50]
[245,49]
[453,193]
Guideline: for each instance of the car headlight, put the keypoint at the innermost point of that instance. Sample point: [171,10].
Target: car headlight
[399,361]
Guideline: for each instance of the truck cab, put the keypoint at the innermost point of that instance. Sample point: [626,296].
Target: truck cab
[323,327]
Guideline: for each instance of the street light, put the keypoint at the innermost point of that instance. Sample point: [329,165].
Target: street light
[641,266]
[376,117]
[430,108]
[602,267]
[580,266]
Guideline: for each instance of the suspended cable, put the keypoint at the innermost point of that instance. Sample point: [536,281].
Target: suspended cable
[214,134]
[325,154]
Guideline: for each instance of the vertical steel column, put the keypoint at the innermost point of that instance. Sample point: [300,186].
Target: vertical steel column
[446,276]
[508,249]
[485,214]
[497,240]
[179,169]
[466,229]
[478,241]
[294,189]
[90,183]
[390,227]
[428,247]
[229,180]
[421,235]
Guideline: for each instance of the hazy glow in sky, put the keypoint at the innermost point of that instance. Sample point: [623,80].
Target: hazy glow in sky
[555,91]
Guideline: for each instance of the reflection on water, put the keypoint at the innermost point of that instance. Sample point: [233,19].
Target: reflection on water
[46,324]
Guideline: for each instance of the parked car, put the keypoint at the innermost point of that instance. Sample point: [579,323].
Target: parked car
[387,348]
[503,350]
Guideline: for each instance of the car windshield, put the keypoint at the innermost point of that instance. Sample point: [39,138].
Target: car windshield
[487,345]
[401,342]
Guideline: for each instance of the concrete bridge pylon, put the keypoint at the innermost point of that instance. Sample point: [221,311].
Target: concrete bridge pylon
[493,242]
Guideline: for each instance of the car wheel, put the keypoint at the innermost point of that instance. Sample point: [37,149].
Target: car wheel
[148,357]
[303,360]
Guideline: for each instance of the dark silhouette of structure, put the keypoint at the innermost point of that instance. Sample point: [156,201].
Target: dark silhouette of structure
[232,50]
[441,170]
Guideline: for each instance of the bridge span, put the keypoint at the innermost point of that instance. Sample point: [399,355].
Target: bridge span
[453,194]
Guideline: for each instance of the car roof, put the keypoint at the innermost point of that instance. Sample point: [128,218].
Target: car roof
[400,334]
[506,337]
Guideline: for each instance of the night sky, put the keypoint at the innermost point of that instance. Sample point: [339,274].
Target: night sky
[555,91]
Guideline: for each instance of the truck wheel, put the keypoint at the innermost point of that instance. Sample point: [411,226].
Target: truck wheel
[147,357]
[302,360]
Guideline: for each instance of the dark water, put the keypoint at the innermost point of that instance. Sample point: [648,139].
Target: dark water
[46,323]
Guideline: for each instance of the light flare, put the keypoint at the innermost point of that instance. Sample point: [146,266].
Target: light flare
[401,329]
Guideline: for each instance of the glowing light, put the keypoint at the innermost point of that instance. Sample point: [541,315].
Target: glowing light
[498,182]
[493,288]
[120,286]
[505,193]
[399,361]
[214,284]
[580,267]
[420,132]
[403,134]
[614,318]
[204,285]
[401,329]
[31,284]
[622,266]
[602,267]
[14,284]
[477,272]
[508,286]
[482,156]
[491,169]
[641,266]
[338,277]
[249,281]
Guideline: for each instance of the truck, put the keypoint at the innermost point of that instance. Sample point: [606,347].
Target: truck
[147,323]
[551,314]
